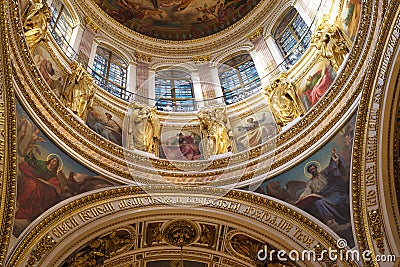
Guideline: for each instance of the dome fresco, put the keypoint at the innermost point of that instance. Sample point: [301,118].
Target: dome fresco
[177,19]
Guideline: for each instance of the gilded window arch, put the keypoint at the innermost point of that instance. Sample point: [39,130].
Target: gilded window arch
[110,72]
[174,90]
[292,36]
[239,78]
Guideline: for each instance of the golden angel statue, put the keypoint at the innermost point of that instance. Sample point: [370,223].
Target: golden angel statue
[331,42]
[283,100]
[144,128]
[215,131]
[78,91]
[36,20]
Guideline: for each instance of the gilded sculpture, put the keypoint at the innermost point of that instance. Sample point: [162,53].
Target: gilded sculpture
[283,101]
[144,128]
[36,20]
[331,42]
[78,91]
[215,131]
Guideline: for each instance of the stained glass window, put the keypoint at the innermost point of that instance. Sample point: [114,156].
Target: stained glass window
[110,71]
[239,78]
[174,91]
[292,36]
[61,26]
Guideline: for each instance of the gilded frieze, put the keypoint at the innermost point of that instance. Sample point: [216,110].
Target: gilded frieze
[281,221]
[367,198]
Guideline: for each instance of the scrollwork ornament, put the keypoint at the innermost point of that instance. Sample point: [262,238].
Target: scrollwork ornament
[180,233]
[44,245]
[375,221]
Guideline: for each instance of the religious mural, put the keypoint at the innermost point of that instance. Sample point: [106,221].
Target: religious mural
[105,123]
[320,184]
[315,83]
[351,14]
[49,69]
[46,175]
[177,19]
[181,145]
[253,130]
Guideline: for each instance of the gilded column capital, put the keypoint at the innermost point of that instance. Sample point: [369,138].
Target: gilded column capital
[201,59]
[92,25]
[255,34]
[143,57]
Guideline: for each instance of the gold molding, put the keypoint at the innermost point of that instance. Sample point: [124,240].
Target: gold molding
[201,59]
[260,210]
[91,24]
[254,35]
[143,57]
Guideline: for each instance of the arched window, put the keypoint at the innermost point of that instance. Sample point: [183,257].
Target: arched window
[239,78]
[174,90]
[61,26]
[292,36]
[109,71]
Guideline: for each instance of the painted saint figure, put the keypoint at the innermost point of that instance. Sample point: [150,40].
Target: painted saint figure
[329,191]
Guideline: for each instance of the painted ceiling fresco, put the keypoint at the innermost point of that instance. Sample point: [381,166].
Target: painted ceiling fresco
[177,19]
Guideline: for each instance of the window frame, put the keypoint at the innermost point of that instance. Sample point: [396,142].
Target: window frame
[61,36]
[302,42]
[174,99]
[239,90]
[104,80]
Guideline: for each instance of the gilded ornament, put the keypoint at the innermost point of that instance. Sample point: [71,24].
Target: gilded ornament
[180,233]
[254,35]
[78,91]
[144,130]
[102,248]
[201,59]
[143,57]
[43,246]
[90,23]
[215,130]
[331,42]
[375,220]
[35,24]
[283,100]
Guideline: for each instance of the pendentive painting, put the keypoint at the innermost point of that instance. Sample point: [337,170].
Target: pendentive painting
[49,69]
[351,14]
[316,83]
[253,130]
[177,19]
[320,184]
[105,123]
[181,145]
[45,175]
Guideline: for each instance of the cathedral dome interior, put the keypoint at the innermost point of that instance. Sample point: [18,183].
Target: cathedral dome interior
[188,133]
